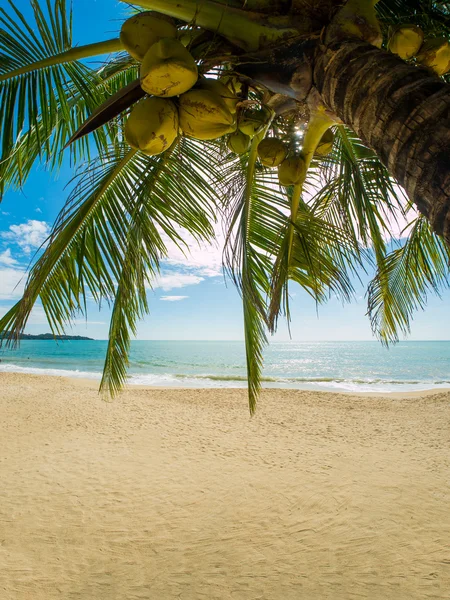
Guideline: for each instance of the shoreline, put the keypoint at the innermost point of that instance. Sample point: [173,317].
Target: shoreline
[129,388]
[274,387]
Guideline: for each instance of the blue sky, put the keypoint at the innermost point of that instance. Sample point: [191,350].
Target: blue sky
[191,300]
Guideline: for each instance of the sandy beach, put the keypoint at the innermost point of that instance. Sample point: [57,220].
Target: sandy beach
[179,494]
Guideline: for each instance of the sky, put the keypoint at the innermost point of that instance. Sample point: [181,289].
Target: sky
[191,300]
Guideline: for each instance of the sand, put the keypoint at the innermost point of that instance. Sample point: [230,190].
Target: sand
[178,494]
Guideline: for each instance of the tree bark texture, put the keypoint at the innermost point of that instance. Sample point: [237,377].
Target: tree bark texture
[401,111]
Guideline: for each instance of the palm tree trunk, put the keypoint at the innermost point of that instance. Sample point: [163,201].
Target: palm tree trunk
[401,111]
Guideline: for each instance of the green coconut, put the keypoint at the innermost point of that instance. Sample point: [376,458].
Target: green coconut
[204,115]
[325,145]
[272,152]
[252,121]
[141,31]
[406,41]
[239,143]
[291,171]
[168,69]
[435,54]
[219,88]
[152,126]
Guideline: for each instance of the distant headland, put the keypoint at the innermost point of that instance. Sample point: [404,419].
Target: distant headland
[47,336]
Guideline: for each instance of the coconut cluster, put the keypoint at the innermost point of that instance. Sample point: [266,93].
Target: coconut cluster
[274,152]
[407,41]
[180,101]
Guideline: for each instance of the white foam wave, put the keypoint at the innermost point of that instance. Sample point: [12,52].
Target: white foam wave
[213,381]
[11,368]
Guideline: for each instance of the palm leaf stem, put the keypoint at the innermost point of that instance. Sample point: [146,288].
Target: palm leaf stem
[77,53]
[244,29]
[255,338]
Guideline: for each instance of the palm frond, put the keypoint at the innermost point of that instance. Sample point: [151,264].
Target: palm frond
[89,250]
[404,278]
[255,221]
[357,194]
[319,256]
[140,264]
[27,150]
[39,109]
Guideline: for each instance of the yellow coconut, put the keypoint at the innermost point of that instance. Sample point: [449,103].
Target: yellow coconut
[252,122]
[406,41]
[152,125]
[168,69]
[272,152]
[204,115]
[239,143]
[216,86]
[325,145]
[291,171]
[435,54]
[140,32]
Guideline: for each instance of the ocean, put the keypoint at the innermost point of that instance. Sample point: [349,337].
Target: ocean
[337,366]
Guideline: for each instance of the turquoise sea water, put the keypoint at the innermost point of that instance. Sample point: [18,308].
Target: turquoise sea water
[351,366]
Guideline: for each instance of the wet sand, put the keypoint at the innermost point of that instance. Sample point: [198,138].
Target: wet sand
[179,494]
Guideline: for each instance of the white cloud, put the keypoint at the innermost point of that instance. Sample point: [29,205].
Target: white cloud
[38,210]
[37,316]
[203,259]
[7,259]
[28,235]
[172,281]
[9,279]
[173,298]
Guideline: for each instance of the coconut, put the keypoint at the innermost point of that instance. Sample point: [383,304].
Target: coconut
[140,32]
[219,88]
[168,69]
[291,171]
[325,145]
[406,41]
[152,125]
[272,152]
[239,143]
[435,54]
[204,115]
[253,121]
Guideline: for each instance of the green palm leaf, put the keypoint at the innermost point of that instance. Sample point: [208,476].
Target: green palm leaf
[403,279]
[41,104]
[27,149]
[118,197]
[255,220]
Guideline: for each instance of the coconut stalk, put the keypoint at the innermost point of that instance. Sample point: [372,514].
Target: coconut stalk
[247,30]
[78,53]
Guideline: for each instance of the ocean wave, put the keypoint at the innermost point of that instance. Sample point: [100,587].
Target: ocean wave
[11,368]
[215,380]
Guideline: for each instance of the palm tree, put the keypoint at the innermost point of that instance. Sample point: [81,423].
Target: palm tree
[310,67]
